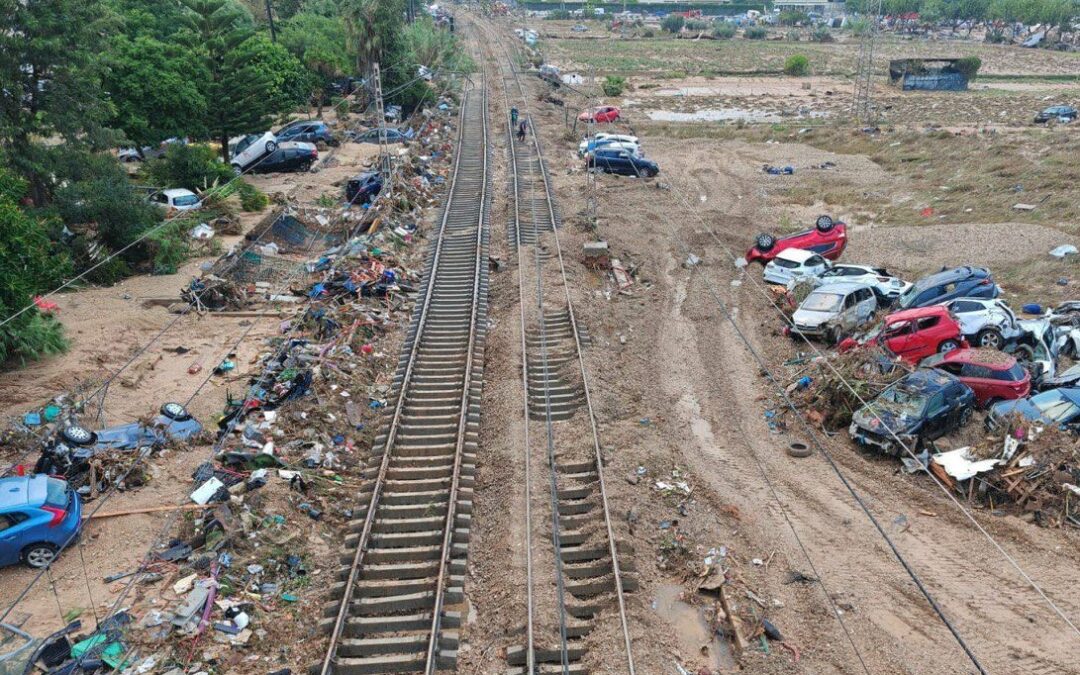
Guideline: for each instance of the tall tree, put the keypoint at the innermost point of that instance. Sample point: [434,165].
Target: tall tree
[321,44]
[50,70]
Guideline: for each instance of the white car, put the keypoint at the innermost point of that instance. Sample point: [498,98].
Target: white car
[583,147]
[794,264]
[834,310]
[246,150]
[985,323]
[886,286]
[177,199]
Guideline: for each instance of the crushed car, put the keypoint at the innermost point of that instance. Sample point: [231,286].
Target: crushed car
[985,322]
[916,409]
[886,286]
[69,453]
[364,188]
[1062,114]
[992,375]
[948,284]
[833,311]
[827,238]
[1055,407]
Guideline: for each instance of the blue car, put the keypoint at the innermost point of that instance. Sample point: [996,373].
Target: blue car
[70,454]
[39,515]
[1056,406]
[307,131]
[949,284]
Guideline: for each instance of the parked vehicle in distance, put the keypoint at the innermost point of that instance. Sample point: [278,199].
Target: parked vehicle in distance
[176,199]
[363,188]
[550,73]
[372,136]
[148,152]
[611,144]
[917,408]
[579,28]
[832,311]
[293,157]
[914,334]
[602,137]
[39,515]
[1058,113]
[985,323]
[827,238]
[792,265]
[69,454]
[604,114]
[621,162]
[949,284]
[246,150]
[1059,407]
[886,286]
[992,375]
[308,131]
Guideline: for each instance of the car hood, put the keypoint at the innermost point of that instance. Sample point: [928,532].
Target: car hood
[885,416]
[1021,406]
[809,317]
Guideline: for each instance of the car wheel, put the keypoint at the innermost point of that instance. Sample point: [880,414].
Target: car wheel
[175,411]
[39,555]
[833,336]
[824,223]
[237,169]
[765,242]
[965,417]
[77,435]
[947,346]
[990,338]
[307,166]
[271,146]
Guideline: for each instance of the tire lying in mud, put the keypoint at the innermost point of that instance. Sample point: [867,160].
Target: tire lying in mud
[798,449]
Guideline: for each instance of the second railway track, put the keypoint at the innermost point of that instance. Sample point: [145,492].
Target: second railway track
[400,589]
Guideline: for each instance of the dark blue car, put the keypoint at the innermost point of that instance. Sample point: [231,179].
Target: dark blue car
[39,515]
[949,284]
[1056,406]
[622,162]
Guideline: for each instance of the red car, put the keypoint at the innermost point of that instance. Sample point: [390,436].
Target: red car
[993,376]
[602,115]
[827,238]
[914,334]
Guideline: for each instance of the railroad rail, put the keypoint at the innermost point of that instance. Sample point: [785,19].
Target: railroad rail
[589,576]
[402,576]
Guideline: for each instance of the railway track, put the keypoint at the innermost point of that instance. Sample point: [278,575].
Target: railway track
[396,606]
[589,577]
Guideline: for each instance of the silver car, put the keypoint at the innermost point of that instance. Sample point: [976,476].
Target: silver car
[834,310]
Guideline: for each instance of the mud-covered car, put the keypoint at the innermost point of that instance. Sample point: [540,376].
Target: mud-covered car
[70,452]
[827,238]
[1059,407]
[917,408]
[832,311]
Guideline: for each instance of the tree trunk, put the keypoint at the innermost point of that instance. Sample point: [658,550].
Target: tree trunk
[224,147]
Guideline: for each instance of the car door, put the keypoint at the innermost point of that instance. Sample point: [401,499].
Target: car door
[866,305]
[898,337]
[624,163]
[969,314]
[814,266]
[13,530]
[937,416]
[981,380]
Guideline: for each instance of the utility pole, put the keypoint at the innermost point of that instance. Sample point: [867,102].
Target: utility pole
[380,110]
[270,18]
[862,100]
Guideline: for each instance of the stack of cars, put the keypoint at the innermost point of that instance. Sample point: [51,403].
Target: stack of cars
[619,154]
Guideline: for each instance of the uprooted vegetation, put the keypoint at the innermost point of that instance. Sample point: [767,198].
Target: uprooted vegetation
[842,382]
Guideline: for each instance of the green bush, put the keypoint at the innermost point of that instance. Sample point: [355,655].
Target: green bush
[251,198]
[195,167]
[797,65]
[696,25]
[614,85]
[792,17]
[821,34]
[755,33]
[969,66]
[859,26]
[793,36]
[673,23]
[724,31]
[648,33]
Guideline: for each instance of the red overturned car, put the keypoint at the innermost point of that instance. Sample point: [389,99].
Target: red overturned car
[914,334]
[828,238]
[993,376]
[604,114]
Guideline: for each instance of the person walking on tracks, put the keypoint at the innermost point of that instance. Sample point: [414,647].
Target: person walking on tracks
[513,117]
[521,130]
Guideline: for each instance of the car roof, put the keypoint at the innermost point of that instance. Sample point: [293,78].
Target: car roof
[950,274]
[22,491]
[927,379]
[178,192]
[796,254]
[844,287]
[915,313]
[996,361]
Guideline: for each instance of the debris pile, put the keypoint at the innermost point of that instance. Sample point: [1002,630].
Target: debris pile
[837,388]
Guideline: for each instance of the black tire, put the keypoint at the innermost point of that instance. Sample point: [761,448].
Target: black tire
[799,450]
[271,146]
[237,169]
[40,555]
[77,435]
[175,411]
[833,336]
[990,338]
[824,223]
[765,242]
[965,418]
[306,166]
[947,346]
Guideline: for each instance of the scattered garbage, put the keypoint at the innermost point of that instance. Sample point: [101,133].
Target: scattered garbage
[778,170]
[1063,251]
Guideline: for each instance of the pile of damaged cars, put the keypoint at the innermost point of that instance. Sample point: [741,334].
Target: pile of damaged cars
[618,154]
[953,343]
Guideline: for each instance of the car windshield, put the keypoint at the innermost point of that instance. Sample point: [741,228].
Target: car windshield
[908,297]
[186,200]
[1013,374]
[822,302]
[785,263]
[56,492]
[903,401]
[1055,407]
